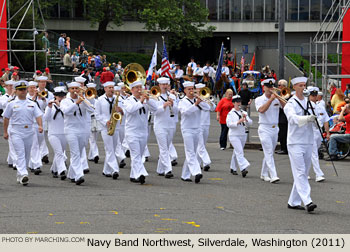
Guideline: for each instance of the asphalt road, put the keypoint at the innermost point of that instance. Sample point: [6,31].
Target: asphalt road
[220,204]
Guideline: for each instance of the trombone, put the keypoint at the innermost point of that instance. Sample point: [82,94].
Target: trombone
[282,94]
[203,94]
[42,94]
[153,93]
[83,98]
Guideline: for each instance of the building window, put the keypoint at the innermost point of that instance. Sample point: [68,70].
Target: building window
[315,10]
[212,7]
[79,8]
[304,10]
[258,10]
[247,10]
[326,5]
[292,10]
[224,10]
[270,10]
[236,9]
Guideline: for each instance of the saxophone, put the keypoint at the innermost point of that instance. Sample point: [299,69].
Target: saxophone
[115,117]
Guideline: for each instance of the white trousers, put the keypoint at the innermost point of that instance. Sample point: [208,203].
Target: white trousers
[164,137]
[191,165]
[58,144]
[110,143]
[268,138]
[12,156]
[137,145]
[238,143]
[22,143]
[83,159]
[120,150]
[300,160]
[202,153]
[172,150]
[93,150]
[77,143]
[35,154]
[43,146]
[314,157]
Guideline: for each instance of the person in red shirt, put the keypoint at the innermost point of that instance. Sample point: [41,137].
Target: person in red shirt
[106,75]
[222,109]
[340,138]
[332,89]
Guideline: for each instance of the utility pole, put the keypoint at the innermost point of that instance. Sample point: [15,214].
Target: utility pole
[281,38]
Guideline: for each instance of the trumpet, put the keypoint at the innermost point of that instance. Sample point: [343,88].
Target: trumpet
[281,95]
[42,94]
[153,93]
[83,98]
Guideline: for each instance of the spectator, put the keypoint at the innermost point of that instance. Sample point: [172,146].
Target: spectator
[223,108]
[46,43]
[273,74]
[61,45]
[75,60]
[81,47]
[16,73]
[347,90]
[119,66]
[246,97]
[2,90]
[337,98]
[342,104]
[48,75]
[67,44]
[332,89]
[106,75]
[301,66]
[37,74]
[6,76]
[98,62]
[67,60]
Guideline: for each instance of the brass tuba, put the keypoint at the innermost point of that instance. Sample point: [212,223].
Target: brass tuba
[134,72]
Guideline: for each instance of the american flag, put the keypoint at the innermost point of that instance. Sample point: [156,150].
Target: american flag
[165,64]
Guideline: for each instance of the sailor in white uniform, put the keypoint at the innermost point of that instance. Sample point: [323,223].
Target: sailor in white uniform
[172,149]
[21,112]
[104,109]
[123,148]
[55,120]
[190,108]
[119,152]
[237,121]
[268,107]
[76,129]
[136,128]
[164,127]
[300,140]
[202,153]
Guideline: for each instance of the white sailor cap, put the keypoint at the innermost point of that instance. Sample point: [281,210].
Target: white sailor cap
[136,83]
[91,85]
[188,84]
[320,93]
[268,82]
[41,78]
[60,89]
[199,85]
[313,89]
[21,84]
[108,83]
[121,84]
[73,84]
[117,88]
[80,79]
[32,84]
[298,80]
[236,98]
[163,80]
[10,82]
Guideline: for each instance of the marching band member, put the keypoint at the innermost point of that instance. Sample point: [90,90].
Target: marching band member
[282,124]
[136,128]
[119,151]
[35,162]
[123,95]
[76,130]
[95,129]
[190,108]
[104,108]
[237,120]
[300,140]
[172,149]
[268,108]
[55,119]
[42,81]
[164,127]
[320,100]
[4,100]
[202,153]
[323,118]
[21,112]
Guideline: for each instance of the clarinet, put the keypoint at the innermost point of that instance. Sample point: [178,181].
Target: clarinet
[170,107]
[244,124]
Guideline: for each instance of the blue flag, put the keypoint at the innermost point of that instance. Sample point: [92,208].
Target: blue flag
[221,59]
[152,64]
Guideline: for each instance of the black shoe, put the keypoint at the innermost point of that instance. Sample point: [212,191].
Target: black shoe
[86,171]
[11,165]
[186,180]
[115,175]
[96,159]
[282,152]
[14,167]
[45,159]
[296,207]
[160,174]
[146,159]
[127,153]
[37,171]
[72,180]
[206,168]
[169,175]
[63,175]
[80,181]
[244,173]
[107,175]
[311,207]
[197,178]
[55,175]
[234,172]
[134,180]
[332,158]
[31,170]
[174,162]
[142,179]
[122,164]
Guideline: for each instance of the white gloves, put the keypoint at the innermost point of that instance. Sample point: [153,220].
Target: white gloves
[311,118]
[303,120]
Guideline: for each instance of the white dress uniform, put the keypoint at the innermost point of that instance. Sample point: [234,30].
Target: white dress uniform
[136,131]
[238,137]
[103,111]
[55,119]
[122,146]
[77,131]
[172,149]
[198,71]
[300,140]
[178,73]
[190,123]
[268,134]
[193,65]
[95,129]
[164,131]
[4,100]
[22,113]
